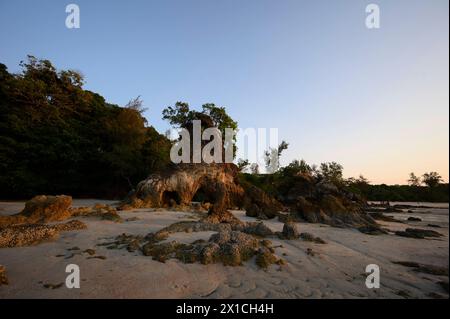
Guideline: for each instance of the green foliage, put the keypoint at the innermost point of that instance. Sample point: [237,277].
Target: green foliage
[296,167]
[332,173]
[180,115]
[409,193]
[56,137]
[279,183]
[402,193]
[219,116]
[413,180]
[431,179]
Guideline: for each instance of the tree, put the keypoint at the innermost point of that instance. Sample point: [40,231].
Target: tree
[361,180]
[137,105]
[296,167]
[178,115]
[431,179]
[331,172]
[57,137]
[413,180]
[181,116]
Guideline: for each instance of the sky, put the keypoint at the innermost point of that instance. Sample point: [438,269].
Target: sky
[374,100]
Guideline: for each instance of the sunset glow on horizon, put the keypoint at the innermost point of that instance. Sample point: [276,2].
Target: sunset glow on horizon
[374,100]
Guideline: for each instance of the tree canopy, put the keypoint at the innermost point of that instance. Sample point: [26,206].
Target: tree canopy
[181,116]
[56,137]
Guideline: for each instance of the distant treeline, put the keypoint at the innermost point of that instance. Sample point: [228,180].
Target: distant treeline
[407,193]
[284,178]
[56,137]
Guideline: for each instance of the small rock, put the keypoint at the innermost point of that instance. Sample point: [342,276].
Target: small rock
[97,257]
[414,219]
[372,230]
[133,246]
[265,258]
[258,229]
[3,278]
[90,251]
[112,216]
[418,233]
[53,286]
[290,231]
[312,238]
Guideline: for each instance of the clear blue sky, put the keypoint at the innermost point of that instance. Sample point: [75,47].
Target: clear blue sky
[374,100]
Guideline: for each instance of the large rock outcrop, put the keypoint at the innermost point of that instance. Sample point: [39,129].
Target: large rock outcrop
[307,197]
[318,201]
[216,184]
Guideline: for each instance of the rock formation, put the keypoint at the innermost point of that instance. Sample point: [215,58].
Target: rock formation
[32,234]
[231,245]
[45,208]
[216,184]
[28,227]
[317,201]
[41,209]
[219,187]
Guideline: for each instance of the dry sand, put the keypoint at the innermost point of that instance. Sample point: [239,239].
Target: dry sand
[337,269]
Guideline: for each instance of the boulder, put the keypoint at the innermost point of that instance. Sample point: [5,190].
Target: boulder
[44,208]
[258,229]
[41,209]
